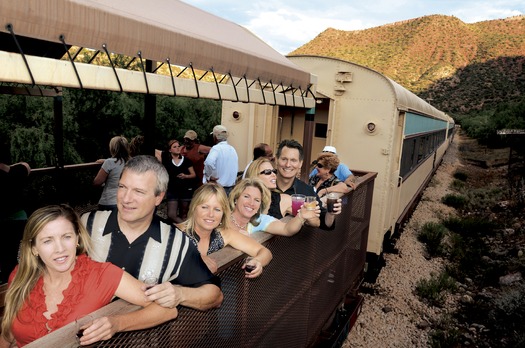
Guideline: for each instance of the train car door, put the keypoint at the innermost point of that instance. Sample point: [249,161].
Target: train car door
[396,182]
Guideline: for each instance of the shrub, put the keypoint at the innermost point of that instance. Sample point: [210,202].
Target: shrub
[467,246]
[433,290]
[461,176]
[445,338]
[483,198]
[454,201]
[432,235]
[457,185]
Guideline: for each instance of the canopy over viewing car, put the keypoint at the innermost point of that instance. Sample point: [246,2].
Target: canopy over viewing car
[37,36]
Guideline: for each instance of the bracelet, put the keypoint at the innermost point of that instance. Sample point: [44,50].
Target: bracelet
[300,217]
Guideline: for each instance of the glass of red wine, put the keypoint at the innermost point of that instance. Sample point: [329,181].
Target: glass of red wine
[249,264]
[82,323]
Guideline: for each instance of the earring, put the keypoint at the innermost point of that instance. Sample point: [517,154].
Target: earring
[78,244]
[35,254]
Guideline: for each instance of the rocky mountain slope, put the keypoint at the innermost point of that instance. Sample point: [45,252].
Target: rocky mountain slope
[458,67]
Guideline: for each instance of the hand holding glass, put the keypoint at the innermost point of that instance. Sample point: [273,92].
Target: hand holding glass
[310,202]
[249,264]
[81,324]
[151,281]
[331,199]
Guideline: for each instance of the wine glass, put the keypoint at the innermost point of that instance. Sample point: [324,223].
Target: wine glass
[151,281]
[249,264]
[82,323]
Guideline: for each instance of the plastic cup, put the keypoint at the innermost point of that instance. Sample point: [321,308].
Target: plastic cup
[331,199]
[310,202]
[297,201]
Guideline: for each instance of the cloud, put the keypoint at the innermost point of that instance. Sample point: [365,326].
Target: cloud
[286,29]
[288,25]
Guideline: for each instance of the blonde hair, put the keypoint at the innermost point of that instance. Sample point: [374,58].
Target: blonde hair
[31,267]
[119,148]
[258,184]
[202,195]
[254,167]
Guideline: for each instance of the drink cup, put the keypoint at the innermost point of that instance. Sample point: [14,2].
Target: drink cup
[331,199]
[310,202]
[297,201]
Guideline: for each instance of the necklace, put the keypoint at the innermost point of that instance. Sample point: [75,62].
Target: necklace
[236,224]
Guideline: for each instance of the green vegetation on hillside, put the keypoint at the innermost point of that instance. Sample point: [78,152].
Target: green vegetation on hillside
[459,68]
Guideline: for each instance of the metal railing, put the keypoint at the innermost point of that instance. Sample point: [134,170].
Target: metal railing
[313,275]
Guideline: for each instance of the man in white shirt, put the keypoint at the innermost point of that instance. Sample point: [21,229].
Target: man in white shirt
[222,164]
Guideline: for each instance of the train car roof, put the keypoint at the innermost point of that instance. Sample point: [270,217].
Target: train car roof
[158,30]
[405,100]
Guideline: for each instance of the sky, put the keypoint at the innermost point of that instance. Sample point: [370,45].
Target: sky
[288,24]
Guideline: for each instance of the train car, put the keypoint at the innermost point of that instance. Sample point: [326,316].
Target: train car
[375,124]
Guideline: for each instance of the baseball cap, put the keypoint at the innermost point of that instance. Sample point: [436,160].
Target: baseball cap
[330,149]
[219,129]
[191,134]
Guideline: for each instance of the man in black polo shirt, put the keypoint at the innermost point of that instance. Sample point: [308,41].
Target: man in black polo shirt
[135,238]
[289,159]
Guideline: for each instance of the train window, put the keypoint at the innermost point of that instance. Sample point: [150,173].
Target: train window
[320,130]
[418,148]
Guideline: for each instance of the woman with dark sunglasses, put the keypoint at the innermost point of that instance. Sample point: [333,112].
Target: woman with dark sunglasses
[325,180]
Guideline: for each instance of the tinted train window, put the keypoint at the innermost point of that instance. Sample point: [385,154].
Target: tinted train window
[418,148]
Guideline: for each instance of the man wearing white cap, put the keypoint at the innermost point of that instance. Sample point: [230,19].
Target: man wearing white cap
[342,172]
[222,164]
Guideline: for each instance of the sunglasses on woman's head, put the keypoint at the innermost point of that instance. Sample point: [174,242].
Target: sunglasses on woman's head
[268,171]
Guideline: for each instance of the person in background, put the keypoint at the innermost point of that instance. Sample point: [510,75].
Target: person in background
[109,174]
[342,172]
[325,180]
[135,238]
[195,152]
[260,150]
[182,181]
[135,146]
[13,216]
[222,164]
[249,200]
[208,226]
[56,282]
[289,160]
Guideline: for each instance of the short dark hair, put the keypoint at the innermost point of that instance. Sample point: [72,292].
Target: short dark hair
[292,144]
[259,150]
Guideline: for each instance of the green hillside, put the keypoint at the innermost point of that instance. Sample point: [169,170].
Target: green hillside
[458,67]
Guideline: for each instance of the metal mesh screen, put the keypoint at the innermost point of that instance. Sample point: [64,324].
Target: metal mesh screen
[288,306]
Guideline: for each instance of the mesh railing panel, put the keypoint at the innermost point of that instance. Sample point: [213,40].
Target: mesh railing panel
[308,278]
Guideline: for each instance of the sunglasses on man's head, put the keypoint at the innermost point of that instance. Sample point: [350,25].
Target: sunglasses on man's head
[268,171]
